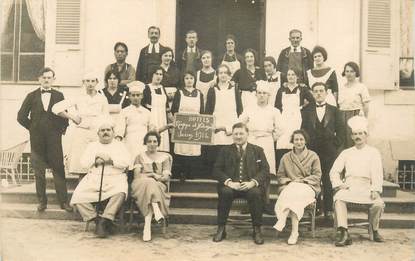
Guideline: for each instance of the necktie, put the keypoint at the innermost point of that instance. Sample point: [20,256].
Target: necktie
[153,49]
[241,150]
[295,49]
[45,91]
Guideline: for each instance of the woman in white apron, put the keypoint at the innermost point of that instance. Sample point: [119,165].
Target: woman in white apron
[206,77]
[291,98]
[231,58]
[155,99]
[246,78]
[116,96]
[322,73]
[223,102]
[88,108]
[273,78]
[187,100]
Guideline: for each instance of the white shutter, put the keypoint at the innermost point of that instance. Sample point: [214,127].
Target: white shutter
[64,43]
[380,32]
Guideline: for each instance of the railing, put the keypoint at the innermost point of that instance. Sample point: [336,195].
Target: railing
[24,168]
[406,176]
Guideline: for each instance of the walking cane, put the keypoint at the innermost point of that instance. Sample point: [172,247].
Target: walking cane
[100,191]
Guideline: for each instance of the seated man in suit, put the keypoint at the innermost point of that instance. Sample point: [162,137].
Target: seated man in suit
[362,183]
[110,158]
[323,123]
[241,169]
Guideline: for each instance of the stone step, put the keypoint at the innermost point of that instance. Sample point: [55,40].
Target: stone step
[202,216]
[403,203]
[208,185]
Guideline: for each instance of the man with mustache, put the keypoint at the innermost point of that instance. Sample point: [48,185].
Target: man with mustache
[112,156]
[362,183]
[242,171]
[150,57]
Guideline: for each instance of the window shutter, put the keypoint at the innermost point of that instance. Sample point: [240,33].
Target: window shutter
[379,44]
[68,21]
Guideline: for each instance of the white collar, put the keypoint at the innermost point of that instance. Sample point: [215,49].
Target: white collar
[243,146]
[189,49]
[156,46]
[298,49]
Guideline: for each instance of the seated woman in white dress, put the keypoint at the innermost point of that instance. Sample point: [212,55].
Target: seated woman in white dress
[152,170]
[299,175]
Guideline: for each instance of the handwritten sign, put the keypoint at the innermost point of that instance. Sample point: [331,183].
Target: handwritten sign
[193,128]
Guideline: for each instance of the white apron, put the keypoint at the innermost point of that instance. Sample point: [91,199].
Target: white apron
[358,191]
[330,99]
[233,66]
[291,118]
[203,87]
[264,139]
[136,129]
[225,114]
[159,117]
[248,99]
[189,105]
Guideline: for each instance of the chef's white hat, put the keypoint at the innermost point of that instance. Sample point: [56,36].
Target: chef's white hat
[90,75]
[136,86]
[104,120]
[358,123]
[263,86]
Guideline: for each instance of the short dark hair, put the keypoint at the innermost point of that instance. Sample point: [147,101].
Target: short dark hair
[319,49]
[271,60]
[190,32]
[166,50]
[319,84]
[231,37]
[118,44]
[190,73]
[155,69]
[240,125]
[250,50]
[354,66]
[295,31]
[46,69]
[152,133]
[153,27]
[301,132]
[116,74]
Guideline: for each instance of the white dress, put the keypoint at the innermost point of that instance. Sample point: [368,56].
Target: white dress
[262,122]
[89,109]
[159,117]
[114,179]
[330,99]
[133,124]
[364,173]
[225,114]
[189,105]
[291,118]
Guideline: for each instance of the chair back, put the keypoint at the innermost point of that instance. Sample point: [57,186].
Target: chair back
[171,164]
[9,158]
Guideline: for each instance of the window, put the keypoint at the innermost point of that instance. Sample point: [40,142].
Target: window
[406,61]
[22,40]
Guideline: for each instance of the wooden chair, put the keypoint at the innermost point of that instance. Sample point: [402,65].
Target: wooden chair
[364,224]
[311,211]
[9,159]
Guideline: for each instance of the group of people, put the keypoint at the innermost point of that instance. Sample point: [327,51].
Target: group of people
[288,119]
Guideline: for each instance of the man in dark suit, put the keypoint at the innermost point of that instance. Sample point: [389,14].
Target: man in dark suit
[149,56]
[191,55]
[46,130]
[241,170]
[323,123]
[295,57]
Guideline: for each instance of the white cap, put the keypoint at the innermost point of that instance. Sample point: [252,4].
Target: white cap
[136,86]
[263,86]
[90,75]
[358,123]
[104,120]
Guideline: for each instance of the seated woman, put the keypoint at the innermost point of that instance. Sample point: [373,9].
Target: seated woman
[152,170]
[299,175]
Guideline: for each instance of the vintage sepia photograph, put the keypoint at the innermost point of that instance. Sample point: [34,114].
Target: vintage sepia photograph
[207,130]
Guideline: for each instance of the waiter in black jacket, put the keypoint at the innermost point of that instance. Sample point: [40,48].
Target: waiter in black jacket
[46,130]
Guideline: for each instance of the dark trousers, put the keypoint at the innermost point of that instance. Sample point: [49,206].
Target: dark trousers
[326,162]
[46,151]
[254,196]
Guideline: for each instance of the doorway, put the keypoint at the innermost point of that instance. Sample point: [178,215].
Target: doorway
[214,19]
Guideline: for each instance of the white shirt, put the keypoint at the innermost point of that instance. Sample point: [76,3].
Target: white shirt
[156,46]
[297,49]
[45,97]
[320,112]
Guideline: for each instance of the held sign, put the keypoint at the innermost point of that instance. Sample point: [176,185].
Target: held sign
[193,128]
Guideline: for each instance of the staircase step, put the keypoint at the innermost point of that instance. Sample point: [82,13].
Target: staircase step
[201,216]
[403,203]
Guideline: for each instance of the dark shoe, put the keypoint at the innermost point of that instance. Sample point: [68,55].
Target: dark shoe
[258,236]
[344,238]
[377,237]
[42,207]
[220,234]
[101,228]
[66,207]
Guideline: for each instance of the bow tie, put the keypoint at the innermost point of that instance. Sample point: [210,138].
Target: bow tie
[320,105]
[45,91]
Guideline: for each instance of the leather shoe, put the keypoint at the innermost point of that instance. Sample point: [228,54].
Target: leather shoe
[220,234]
[66,207]
[41,207]
[101,228]
[377,237]
[258,236]
[344,238]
